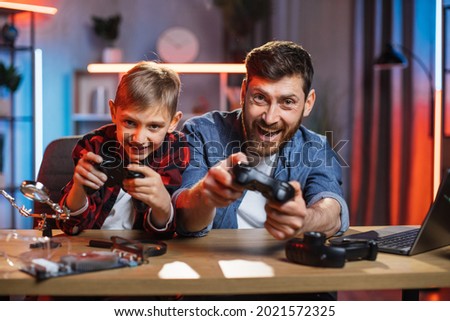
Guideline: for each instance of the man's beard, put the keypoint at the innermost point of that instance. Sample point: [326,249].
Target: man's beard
[254,146]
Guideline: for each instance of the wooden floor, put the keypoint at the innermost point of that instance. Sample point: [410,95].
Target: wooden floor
[392,295]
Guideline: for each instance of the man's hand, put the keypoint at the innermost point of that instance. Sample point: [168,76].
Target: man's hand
[217,187]
[293,218]
[196,207]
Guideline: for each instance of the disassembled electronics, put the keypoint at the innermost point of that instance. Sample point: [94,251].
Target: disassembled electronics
[124,253]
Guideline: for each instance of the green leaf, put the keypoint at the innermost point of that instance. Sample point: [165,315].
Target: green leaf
[10,78]
[107,28]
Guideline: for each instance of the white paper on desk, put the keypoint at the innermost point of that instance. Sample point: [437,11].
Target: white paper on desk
[178,270]
[245,269]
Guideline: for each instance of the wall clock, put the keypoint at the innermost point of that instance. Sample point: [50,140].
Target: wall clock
[177,45]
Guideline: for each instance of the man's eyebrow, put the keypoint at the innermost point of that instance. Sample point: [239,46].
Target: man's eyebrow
[260,89]
[289,96]
[256,88]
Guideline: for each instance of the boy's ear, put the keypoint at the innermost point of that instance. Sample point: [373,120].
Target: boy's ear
[112,110]
[174,122]
[309,104]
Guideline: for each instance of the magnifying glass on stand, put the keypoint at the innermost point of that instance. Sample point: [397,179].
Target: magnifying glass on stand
[36,191]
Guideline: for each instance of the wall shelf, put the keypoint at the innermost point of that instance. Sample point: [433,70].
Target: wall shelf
[19,139]
[16,129]
[84,116]
[91,117]
[91,95]
[190,68]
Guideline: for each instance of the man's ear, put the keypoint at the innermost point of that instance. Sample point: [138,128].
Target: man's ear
[112,110]
[309,103]
[174,122]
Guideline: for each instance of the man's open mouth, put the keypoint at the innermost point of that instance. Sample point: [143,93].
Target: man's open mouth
[268,134]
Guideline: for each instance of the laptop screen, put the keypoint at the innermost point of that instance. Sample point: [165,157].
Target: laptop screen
[435,230]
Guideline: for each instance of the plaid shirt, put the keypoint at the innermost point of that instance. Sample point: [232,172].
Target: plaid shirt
[169,161]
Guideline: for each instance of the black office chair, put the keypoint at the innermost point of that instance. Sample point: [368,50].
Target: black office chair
[55,172]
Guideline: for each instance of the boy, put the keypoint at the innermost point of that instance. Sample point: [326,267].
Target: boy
[143,140]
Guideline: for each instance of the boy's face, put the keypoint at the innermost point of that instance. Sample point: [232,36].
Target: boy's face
[141,131]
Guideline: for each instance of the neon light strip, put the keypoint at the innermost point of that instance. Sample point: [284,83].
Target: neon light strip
[193,68]
[28,7]
[38,111]
[437,144]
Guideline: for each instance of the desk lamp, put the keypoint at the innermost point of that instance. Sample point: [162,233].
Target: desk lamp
[390,59]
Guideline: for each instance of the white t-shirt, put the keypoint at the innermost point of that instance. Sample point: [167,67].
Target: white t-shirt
[116,220]
[122,214]
[251,212]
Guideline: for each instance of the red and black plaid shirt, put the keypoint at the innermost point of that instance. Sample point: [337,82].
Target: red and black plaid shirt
[169,161]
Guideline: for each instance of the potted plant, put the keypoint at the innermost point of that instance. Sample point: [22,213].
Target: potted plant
[108,29]
[241,19]
[9,77]
[10,80]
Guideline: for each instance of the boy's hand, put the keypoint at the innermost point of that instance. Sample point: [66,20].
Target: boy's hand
[85,173]
[151,190]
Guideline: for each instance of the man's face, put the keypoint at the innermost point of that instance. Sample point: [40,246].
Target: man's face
[141,132]
[273,111]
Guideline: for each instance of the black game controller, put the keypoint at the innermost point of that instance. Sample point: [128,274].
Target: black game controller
[115,170]
[311,250]
[255,180]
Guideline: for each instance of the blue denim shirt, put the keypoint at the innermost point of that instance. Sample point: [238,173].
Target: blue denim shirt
[306,158]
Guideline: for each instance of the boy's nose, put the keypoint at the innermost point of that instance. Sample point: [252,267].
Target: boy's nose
[139,137]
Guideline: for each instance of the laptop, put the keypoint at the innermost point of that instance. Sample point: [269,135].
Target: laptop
[406,240]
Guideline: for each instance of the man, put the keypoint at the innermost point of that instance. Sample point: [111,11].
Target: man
[275,96]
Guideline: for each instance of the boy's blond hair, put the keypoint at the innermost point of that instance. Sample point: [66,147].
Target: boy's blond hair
[149,84]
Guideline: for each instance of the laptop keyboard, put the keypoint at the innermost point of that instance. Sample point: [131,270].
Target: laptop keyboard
[399,240]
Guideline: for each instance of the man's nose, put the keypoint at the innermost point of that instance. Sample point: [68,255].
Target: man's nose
[271,115]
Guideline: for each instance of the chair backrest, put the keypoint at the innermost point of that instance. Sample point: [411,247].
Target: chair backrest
[56,169]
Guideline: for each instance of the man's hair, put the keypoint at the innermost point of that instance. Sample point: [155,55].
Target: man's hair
[277,59]
[149,84]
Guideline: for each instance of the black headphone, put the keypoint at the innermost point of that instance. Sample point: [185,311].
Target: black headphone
[149,248]
[311,250]
[154,248]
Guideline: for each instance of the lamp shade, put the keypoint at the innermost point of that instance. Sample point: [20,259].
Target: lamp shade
[390,58]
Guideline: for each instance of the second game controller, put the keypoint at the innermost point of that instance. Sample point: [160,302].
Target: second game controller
[271,188]
[115,171]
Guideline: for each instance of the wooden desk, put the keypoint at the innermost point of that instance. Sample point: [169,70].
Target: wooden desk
[427,270]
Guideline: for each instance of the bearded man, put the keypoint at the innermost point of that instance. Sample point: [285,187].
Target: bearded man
[268,134]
